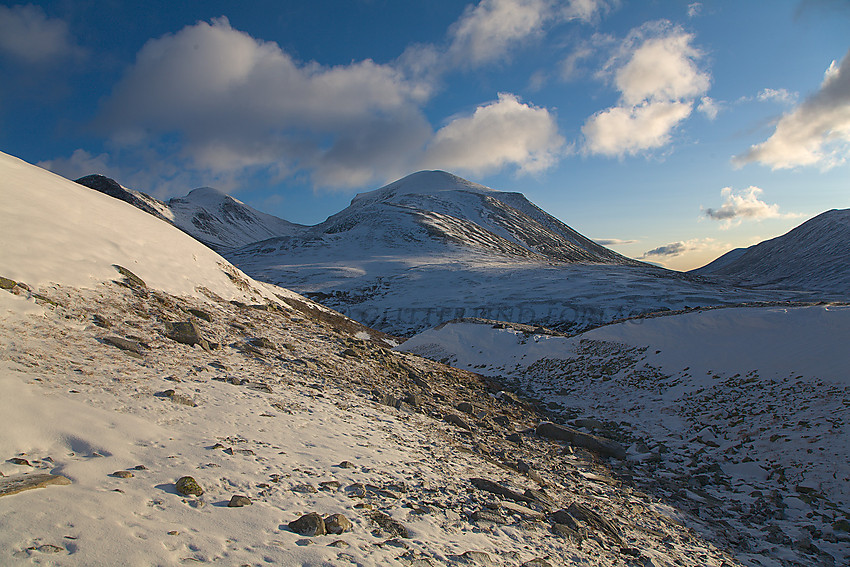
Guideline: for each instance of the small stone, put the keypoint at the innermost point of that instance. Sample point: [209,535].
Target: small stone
[304,542]
[188,486]
[238,500]
[337,524]
[6,283]
[346,465]
[123,474]
[331,485]
[305,489]
[484,515]
[140,468]
[341,543]
[476,557]
[310,524]
[537,562]
[389,525]
[514,438]
[185,332]
[465,407]
[173,533]
[20,461]
[457,421]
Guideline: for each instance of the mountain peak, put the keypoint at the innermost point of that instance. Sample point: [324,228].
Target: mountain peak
[428,182]
[206,196]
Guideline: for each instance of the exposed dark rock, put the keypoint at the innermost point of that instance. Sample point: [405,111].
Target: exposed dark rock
[130,278]
[20,461]
[310,524]
[590,519]
[457,421]
[186,332]
[485,515]
[337,524]
[388,525]
[131,347]
[465,407]
[188,486]
[6,283]
[498,489]
[600,445]
[18,483]
[200,314]
[123,474]
[238,500]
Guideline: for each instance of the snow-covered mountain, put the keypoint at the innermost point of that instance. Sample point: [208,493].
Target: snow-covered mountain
[814,257]
[215,219]
[223,222]
[159,406]
[433,247]
[740,415]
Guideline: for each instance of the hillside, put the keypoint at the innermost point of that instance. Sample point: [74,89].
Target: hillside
[813,257]
[132,357]
[739,415]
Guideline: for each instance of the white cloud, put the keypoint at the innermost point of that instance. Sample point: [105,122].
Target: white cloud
[218,103]
[709,107]
[744,205]
[503,132]
[817,132]
[779,95]
[570,66]
[661,68]
[629,130]
[28,35]
[656,71]
[694,9]
[235,102]
[487,31]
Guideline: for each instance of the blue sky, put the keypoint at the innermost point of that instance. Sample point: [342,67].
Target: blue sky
[672,131]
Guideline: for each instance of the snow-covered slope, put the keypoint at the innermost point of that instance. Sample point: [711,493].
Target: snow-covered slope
[215,219]
[740,414]
[434,247]
[815,256]
[57,231]
[223,222]
[283,412]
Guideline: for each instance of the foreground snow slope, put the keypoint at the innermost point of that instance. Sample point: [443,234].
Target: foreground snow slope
[56,231]
[739,414]
[286,404]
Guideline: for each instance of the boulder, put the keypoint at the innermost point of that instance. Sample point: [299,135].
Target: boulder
[310,524]
[600,445]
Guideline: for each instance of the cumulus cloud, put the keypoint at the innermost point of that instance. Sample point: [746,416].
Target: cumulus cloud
[506,131]
[487,31]
[216,101]
[817,132]
[29,36]
[657,74]
[633,129]
[744,205]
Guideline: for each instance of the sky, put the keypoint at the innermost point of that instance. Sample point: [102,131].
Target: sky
[670,131]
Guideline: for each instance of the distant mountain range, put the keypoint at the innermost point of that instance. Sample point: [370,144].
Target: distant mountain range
[433,247]
[215,219]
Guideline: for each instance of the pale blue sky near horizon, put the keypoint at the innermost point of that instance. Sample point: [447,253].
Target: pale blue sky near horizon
[672,131]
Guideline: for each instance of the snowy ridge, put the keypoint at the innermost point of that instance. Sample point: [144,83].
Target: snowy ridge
[222,222]
[815,256]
